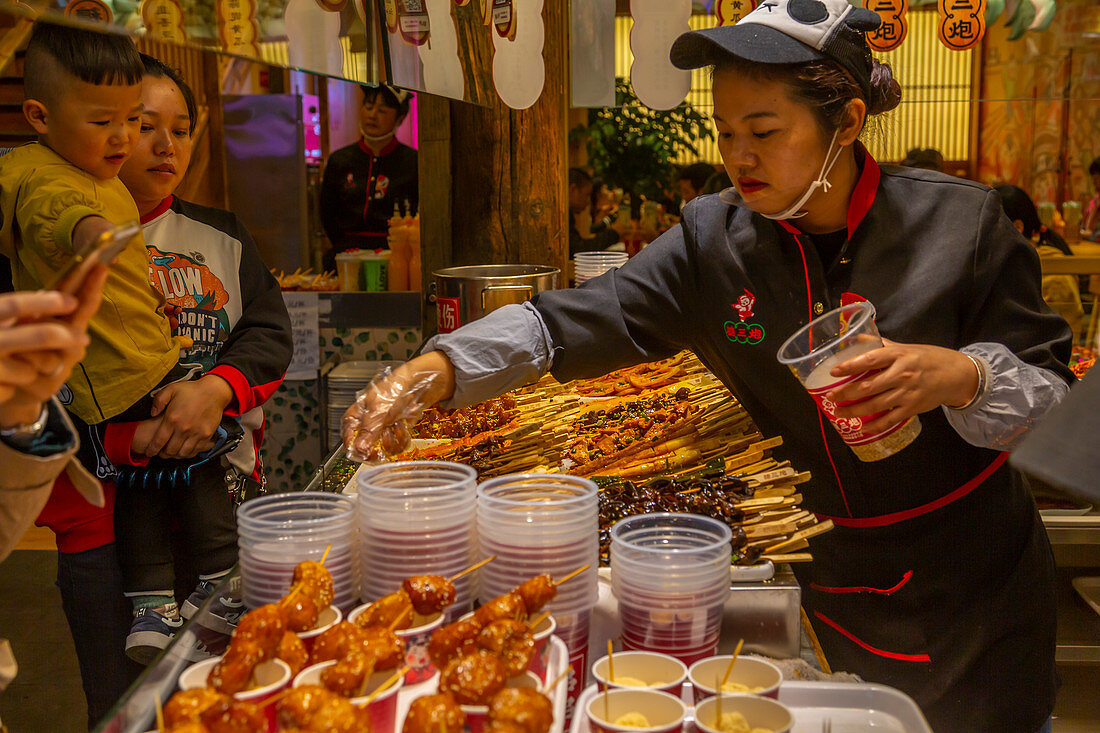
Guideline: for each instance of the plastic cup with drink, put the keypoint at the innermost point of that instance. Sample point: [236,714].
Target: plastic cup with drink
[828,341]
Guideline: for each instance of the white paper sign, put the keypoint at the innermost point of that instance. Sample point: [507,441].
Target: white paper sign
[519,71]
[657,23]
[304,321]
[442,67]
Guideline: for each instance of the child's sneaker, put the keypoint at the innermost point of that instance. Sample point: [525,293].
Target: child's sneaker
[224,613]
[150,633]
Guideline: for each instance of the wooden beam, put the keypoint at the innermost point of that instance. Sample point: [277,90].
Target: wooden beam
[434,169]
[212,92]
[509,169]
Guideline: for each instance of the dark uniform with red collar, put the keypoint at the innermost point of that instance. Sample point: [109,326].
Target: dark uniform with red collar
[938,578]
[359,190]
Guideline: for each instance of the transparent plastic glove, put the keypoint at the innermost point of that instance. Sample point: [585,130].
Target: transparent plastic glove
[379,424]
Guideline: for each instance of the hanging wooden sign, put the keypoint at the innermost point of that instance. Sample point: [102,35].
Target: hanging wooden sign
[391,15]
[504,19]
[412,21]
[961,23]
[731,11]
[895,25]
[93,11]
[237,28]
[164,19]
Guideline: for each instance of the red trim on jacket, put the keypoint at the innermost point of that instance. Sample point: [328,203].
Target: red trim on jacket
[868,647]
[162,207]
[386,149]
[118,443]
[883,520]
[863,588]
[247,396]
[78,525]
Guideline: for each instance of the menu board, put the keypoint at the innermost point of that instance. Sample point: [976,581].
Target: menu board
[304,321]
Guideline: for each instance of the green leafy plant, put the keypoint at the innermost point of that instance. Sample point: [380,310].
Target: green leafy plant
[633,147]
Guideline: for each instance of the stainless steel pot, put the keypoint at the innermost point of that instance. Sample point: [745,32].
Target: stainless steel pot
[464,294]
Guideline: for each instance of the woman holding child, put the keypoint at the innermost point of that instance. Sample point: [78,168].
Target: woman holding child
[225,310]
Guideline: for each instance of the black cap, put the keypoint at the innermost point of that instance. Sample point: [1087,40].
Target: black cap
[1064,449]
[787,32]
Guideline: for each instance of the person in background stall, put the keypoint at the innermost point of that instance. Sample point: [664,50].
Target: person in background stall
[581,192]
[365,182]
[1090,222]
[1061,292]
[692,180]
[938,577]
[928,159]
[603,207]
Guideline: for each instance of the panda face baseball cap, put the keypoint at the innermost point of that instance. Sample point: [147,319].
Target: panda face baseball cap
[787,32]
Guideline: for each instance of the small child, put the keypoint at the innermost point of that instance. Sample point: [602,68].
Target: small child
[83,98]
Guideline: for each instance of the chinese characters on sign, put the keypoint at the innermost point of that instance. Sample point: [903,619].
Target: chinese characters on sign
[92,11]
[891,33]
[237,27]
[731,11]
[962,23]
[164,19]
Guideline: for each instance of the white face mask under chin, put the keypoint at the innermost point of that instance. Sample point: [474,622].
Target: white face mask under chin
[731,196]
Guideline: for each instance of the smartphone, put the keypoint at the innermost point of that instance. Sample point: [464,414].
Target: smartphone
[101,251]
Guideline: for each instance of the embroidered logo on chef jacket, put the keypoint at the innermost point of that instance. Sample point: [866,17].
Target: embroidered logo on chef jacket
[743,332]
[381,185]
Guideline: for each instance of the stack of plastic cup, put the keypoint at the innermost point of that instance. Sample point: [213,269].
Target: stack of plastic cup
[588,265]
[275,533]
[538,524]
[418,518]
[671,576]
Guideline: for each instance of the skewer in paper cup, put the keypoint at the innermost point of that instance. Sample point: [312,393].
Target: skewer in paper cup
[751,675]
[326,619]
[635,711]
[633,670]
[271,677]
[416,639]
[477,715]
[757,712]
[382,707]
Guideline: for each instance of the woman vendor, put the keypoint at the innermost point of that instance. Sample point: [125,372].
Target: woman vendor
[938,577]
[365,181]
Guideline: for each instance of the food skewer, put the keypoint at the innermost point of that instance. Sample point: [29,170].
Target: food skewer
[718,699]
[564,673]
[472,568]
[160,713]
[610,664]
[389,682]
[729,669]
[573,574]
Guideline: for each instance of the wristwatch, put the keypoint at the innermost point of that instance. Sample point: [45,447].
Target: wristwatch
[23,436]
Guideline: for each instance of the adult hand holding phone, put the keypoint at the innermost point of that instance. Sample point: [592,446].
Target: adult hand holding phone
[42,337]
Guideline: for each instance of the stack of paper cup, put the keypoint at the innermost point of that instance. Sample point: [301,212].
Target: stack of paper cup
[670,574]
[544,524]
[588,265]
[275,533]
[418,518]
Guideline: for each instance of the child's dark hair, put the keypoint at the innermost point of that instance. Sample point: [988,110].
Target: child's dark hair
[371,93]
[825,87]
[90,56]
[1019,207]
[158,69]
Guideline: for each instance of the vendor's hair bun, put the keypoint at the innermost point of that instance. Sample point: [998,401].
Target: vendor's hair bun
[885,90]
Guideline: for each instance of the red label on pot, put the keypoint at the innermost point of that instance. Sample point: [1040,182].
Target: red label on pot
[447,310]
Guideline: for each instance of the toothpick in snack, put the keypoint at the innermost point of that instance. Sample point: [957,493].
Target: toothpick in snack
[325,556]
[610,664]
[565,673]
[607,704]
[717,704]
[472,568]
[390,681]
[160,714]
[573,574]
[729,669]
[532,625]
